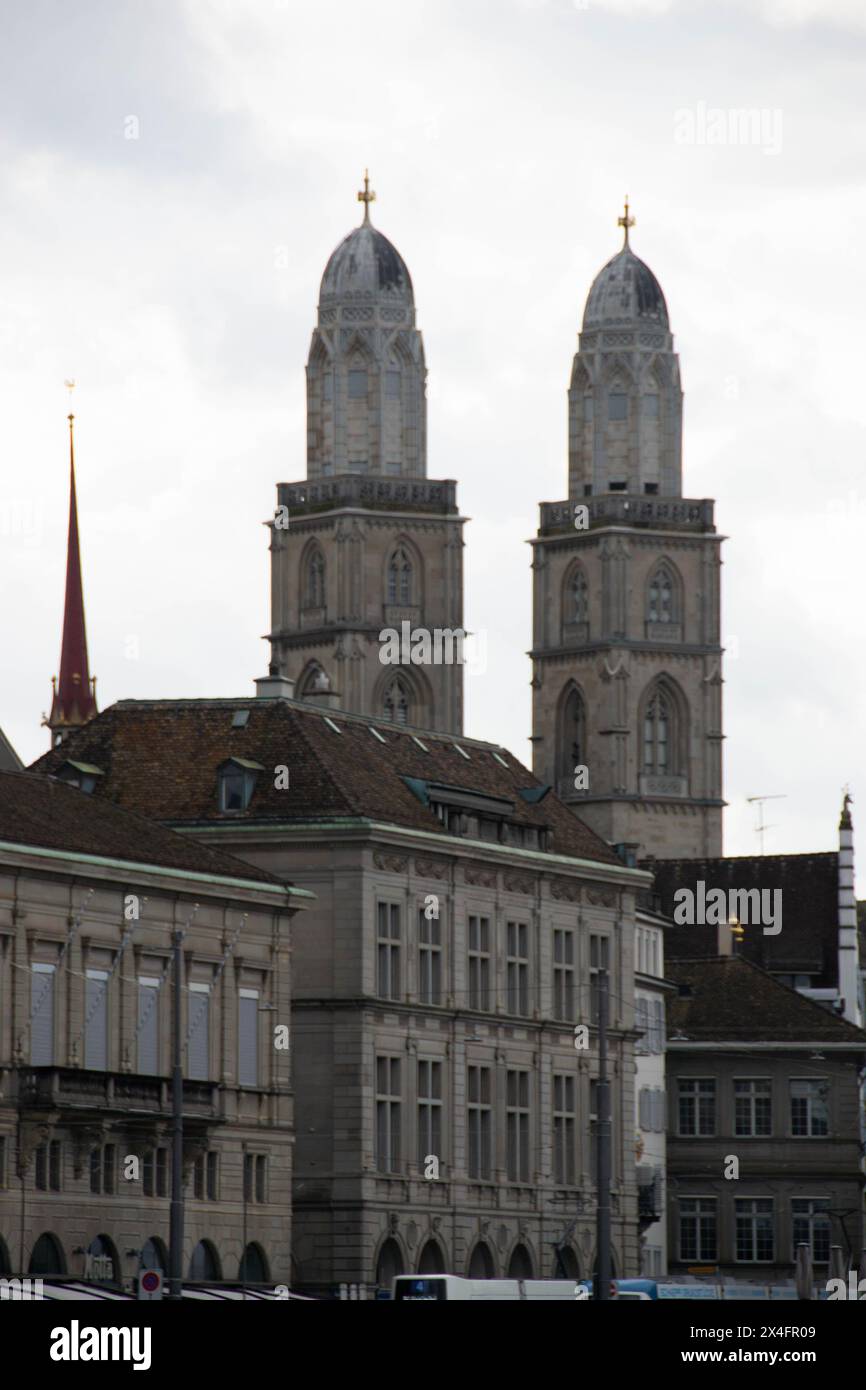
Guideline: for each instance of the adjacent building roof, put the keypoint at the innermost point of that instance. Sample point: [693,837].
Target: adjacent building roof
[40,812]
[729,999]
[162,757]
[9,759]
[808,941]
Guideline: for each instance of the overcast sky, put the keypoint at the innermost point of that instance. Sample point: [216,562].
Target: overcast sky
[175,277]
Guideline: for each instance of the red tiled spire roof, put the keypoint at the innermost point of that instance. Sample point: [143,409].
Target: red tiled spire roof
[74,699]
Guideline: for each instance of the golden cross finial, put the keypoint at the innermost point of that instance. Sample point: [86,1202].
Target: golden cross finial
[366,197]
[625,221]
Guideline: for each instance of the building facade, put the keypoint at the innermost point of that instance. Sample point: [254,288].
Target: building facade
[90,899]
[627,661]
[651,992]
[445,979]
[367,542]
[765,1126]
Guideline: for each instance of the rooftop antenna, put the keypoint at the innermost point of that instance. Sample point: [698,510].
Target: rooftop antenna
[762,827]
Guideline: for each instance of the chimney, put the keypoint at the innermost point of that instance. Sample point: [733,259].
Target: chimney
[273,686]
[850,988]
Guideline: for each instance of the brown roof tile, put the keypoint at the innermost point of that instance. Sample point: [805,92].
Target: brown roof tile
[162,758]
[732,1000]
[43,813]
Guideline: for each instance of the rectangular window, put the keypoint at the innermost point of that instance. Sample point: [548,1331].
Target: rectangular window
[248,1037]
[198,1178]
[697,1107]
[810,1225]
[517,1125]
[388,951]
[148,1025]
[643,1043]
[96,1021]
[698,1230]
[753,1108]
[109,1164]
[599,959]
[429,959]
[249,1172]
[41,1173]
[517,967]
[617,405]
[42,1016]
[810,1116]
[479,963]
[429,1111]
[357,385]
[754,1218]
[95,1170]
[198,1067]
[479,1122]
[261,1178]
[213,1176]
[651,407]
[657,1026]
[563,1130]
[563,975]
[388,1102]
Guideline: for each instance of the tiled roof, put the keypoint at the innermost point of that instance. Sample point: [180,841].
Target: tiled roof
[162,757]
[43,813]
[807,943]
[732,1000]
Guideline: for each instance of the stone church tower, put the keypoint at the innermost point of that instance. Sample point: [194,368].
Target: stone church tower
[627,678]
[370,542]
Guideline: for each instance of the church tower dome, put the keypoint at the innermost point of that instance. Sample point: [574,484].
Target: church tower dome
[624,398]
[366,375]
[624,292]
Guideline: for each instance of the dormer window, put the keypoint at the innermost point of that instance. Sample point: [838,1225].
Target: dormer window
[80,775]
[237,782]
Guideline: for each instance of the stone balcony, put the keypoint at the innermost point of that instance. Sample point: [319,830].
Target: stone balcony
[624,509]
[369,493]
[70,1089]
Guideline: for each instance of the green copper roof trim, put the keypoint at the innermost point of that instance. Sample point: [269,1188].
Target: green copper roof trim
[643,876]
[102,861]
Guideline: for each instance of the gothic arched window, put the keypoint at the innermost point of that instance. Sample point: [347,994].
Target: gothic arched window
[396,702]
[658,733]
[578,592]
[400,578]
[572,735]
[314,594]
[661,596]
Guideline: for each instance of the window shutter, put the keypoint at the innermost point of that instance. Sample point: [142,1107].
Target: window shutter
[248,1038]
[96,1021]
[148,1026]
[42,1014]
[644,1109]
[199,1042]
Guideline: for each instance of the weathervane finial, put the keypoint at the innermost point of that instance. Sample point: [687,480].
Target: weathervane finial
[366,197]
[625,221]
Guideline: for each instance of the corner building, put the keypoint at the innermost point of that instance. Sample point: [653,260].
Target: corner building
[371,541]
[627,662]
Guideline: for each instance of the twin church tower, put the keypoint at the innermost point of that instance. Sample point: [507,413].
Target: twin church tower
[626,655]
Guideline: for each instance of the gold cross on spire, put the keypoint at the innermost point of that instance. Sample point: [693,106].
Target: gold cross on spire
[625,221]
[366,197]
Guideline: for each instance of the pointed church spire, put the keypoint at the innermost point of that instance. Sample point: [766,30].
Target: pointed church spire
[74,698]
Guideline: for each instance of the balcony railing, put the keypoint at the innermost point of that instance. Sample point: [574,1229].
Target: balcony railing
[624,509]
[68,1088]
[378,494]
